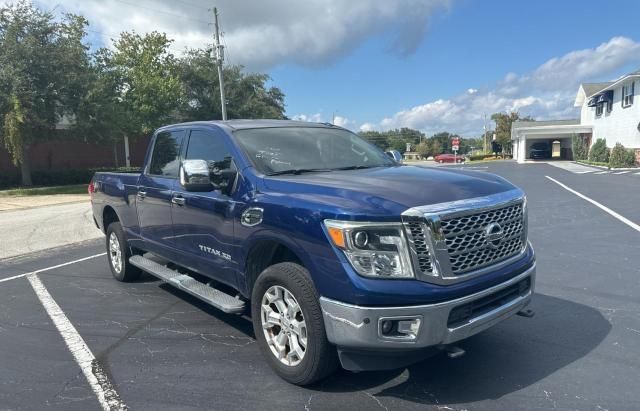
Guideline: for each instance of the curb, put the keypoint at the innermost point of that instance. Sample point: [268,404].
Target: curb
[607,168]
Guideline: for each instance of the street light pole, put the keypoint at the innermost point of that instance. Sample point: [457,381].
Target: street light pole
[219,56]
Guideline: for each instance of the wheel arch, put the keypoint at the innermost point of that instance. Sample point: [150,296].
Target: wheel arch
[267,251]
[109,215]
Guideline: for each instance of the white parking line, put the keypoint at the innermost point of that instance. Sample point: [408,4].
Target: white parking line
[98,380]
[600,206]
[584,172]
[2,280]
[622,172]
[602,172]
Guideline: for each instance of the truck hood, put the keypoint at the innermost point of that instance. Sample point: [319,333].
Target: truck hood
[384,191]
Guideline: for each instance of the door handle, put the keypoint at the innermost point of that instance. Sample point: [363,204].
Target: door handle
[141,194]
[178,200]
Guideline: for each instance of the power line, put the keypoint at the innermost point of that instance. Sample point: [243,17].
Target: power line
[112,36]
[163,11]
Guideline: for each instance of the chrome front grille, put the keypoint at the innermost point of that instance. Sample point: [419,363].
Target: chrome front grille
[418,240]
[452,241]
[466,238]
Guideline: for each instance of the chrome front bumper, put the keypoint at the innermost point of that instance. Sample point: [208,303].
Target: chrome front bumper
[352,326]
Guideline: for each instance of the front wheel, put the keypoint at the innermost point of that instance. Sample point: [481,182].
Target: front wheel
[288,324]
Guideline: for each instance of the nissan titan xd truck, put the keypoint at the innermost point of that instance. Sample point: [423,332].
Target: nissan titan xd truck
[340,254]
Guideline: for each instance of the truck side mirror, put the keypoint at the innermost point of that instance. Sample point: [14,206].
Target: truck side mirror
[225,180]
[194,176]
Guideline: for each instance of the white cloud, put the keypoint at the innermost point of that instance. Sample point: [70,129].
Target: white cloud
[545,93]
[343,122]
[315,118]
[261,34]
[319,118]
[368,127]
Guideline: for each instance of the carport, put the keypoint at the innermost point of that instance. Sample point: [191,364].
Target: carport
[526,133]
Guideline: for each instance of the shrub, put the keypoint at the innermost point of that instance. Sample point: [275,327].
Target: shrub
[478,157]
[599,151]
[579,147]
[621,157]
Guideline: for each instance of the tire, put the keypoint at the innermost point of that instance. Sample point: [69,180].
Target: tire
[118,253]
[320,357]
[440,161]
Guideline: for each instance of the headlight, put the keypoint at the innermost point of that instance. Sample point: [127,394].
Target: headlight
[373,249]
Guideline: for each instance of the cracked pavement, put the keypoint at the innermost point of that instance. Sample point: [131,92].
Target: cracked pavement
[163,349]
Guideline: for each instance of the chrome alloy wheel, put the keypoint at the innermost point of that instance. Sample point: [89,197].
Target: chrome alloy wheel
[283,324]
[115,253]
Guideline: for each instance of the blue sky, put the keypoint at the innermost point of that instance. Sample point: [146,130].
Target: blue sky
[473,45]
[429,64]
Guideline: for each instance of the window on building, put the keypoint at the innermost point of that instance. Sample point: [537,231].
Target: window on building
[627,94]
[599,108]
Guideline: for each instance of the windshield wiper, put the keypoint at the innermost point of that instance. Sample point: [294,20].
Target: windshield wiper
[297,171]
[356,167]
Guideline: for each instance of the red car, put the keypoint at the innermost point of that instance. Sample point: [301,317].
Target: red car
[449,158]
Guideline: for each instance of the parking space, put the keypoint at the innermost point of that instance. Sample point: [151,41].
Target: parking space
[162,349]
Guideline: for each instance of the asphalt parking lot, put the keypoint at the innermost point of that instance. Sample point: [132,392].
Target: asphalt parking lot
[162,349]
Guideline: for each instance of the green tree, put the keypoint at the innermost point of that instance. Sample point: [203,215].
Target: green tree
[247,94]
[436,146]
[424,149]
[441,143]
[139,84]
[599,151]
[579,147]
[621,157]
[503,127]
[375,137]
[395,139]
[43,68]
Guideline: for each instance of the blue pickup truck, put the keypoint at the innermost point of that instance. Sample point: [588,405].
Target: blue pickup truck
[340,254]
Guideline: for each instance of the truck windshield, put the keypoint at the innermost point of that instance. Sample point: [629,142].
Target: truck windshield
[281,150]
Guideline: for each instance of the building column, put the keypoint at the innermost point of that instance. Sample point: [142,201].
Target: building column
[522,148]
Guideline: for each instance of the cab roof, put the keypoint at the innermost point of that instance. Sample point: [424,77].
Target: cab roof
[249,124]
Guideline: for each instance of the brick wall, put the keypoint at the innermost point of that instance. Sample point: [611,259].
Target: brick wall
[65,154]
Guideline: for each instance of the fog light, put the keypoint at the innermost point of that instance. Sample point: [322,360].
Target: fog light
[410,328]
[400,328]
[386,326]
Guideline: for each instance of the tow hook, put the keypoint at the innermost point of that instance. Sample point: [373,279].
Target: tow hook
[452,351]
[528,313]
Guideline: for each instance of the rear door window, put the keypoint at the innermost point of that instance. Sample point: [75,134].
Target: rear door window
[165,159]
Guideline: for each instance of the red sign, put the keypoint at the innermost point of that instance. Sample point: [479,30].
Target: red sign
[455,141]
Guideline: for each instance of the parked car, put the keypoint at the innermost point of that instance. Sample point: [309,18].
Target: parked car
[449,158]
[341,255]
[539,150]
[396,155]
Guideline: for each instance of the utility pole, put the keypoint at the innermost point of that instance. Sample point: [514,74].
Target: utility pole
[219,58]
[484,133]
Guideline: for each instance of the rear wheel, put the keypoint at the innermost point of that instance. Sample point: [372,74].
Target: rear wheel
[288,324]
[118,253]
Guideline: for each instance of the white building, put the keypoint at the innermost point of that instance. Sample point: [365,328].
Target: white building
[607,110]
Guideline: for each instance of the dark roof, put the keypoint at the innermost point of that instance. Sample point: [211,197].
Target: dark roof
[520,124]
[592,88]
[259,123]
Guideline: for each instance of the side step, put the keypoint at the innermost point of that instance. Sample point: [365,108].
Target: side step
[213,296]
